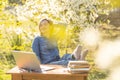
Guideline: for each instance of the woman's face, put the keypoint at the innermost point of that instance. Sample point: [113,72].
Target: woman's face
[44,28]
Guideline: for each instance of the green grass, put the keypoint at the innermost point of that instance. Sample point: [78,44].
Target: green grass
[4,76]
[4,67]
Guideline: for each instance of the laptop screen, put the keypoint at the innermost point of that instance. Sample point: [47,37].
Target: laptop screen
[27,60]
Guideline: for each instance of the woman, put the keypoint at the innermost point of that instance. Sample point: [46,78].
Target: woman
[46,49]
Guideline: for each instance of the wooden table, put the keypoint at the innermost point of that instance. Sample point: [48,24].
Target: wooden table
[59,73]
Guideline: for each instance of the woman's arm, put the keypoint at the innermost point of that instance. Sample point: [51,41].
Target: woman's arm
[36,47]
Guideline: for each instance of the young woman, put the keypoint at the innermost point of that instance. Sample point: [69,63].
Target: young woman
[46,49]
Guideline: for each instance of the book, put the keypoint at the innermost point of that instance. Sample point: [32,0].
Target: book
[78,66]
[80,70]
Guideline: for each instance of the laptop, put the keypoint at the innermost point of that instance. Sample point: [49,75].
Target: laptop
[29,61]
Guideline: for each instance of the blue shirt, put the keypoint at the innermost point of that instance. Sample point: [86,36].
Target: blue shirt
[45,49]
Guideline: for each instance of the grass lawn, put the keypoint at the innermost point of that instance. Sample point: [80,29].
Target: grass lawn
[4,76]
[3,69]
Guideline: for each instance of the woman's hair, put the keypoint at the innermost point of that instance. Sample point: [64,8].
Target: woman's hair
[49,21]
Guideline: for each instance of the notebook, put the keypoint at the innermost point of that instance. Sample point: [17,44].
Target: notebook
[29,61]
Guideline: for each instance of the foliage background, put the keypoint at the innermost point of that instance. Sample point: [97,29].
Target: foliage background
[19,25]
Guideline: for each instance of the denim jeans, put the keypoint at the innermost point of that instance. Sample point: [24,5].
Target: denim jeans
[64,60]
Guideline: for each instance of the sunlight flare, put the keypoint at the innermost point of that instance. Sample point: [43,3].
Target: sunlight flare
[115,74]
[107,53]
[90,36]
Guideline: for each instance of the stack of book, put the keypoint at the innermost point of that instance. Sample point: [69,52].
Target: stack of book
[78,66]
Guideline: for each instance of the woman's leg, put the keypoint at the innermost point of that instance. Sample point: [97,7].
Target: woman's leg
[64,60]
[77,52]
[67,57]
[84,54]
[76,55]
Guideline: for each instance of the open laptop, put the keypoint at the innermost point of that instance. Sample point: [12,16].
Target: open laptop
[29,61]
